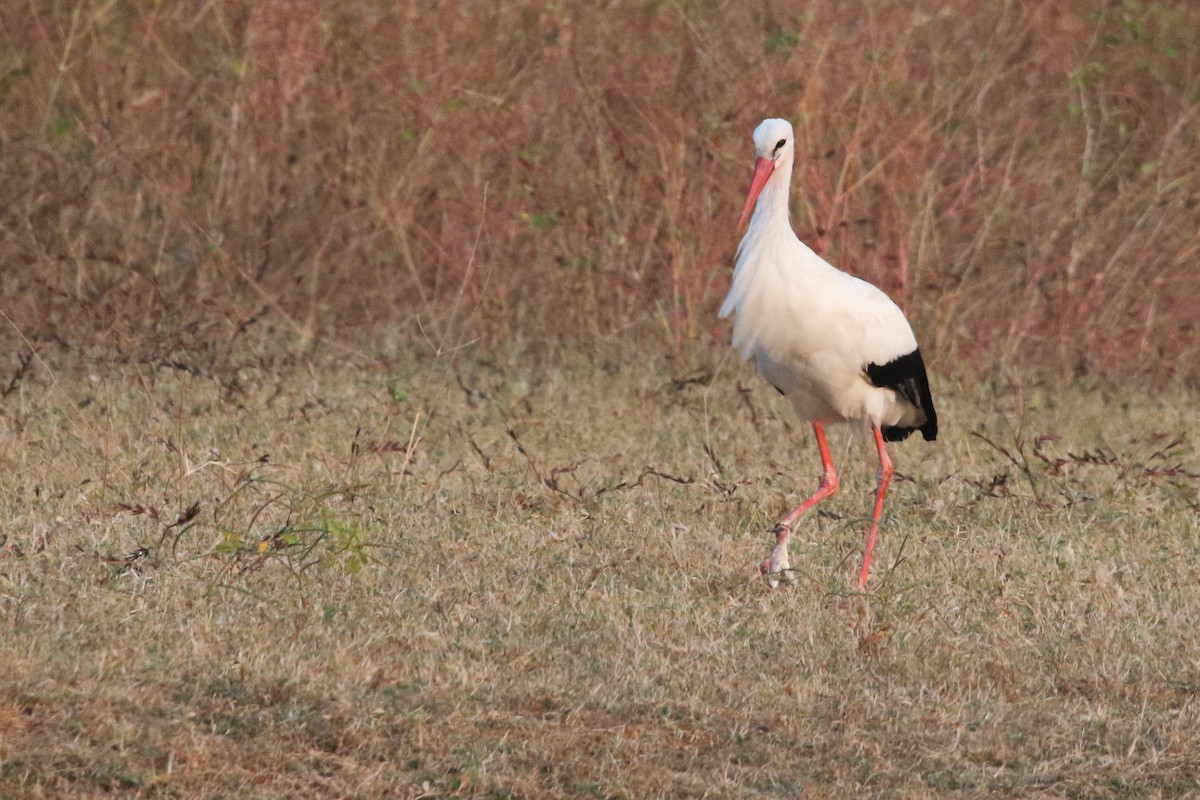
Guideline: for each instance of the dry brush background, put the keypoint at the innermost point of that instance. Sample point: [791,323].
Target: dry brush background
[1023,177]
[366,430]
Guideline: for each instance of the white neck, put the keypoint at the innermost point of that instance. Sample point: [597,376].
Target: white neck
[770,224]
[768,260]
[772,207]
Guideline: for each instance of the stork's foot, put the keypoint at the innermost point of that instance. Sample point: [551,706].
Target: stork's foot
[778,566]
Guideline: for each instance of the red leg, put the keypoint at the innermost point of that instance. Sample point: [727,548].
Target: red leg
[883,478]
[777,564]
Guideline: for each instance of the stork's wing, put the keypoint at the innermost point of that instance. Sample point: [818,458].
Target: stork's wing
[906,375]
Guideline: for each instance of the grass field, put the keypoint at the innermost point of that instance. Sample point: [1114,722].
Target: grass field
[366,428]
[530,578]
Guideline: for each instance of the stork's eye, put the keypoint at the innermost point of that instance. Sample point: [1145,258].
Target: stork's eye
[780,143]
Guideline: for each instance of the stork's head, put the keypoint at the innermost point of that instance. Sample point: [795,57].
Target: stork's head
[774,147]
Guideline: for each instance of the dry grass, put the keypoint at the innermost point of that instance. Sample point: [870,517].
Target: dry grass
[490,579]
[1023,177]
[373,443]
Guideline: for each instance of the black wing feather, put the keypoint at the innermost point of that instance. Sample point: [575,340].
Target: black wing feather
[906,375]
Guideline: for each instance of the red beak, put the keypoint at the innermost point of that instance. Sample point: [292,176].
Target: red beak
[763,167]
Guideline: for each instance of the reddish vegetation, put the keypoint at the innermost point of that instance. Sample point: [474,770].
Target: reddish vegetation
[1022,177]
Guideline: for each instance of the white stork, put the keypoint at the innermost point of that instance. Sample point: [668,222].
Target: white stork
[837,347]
